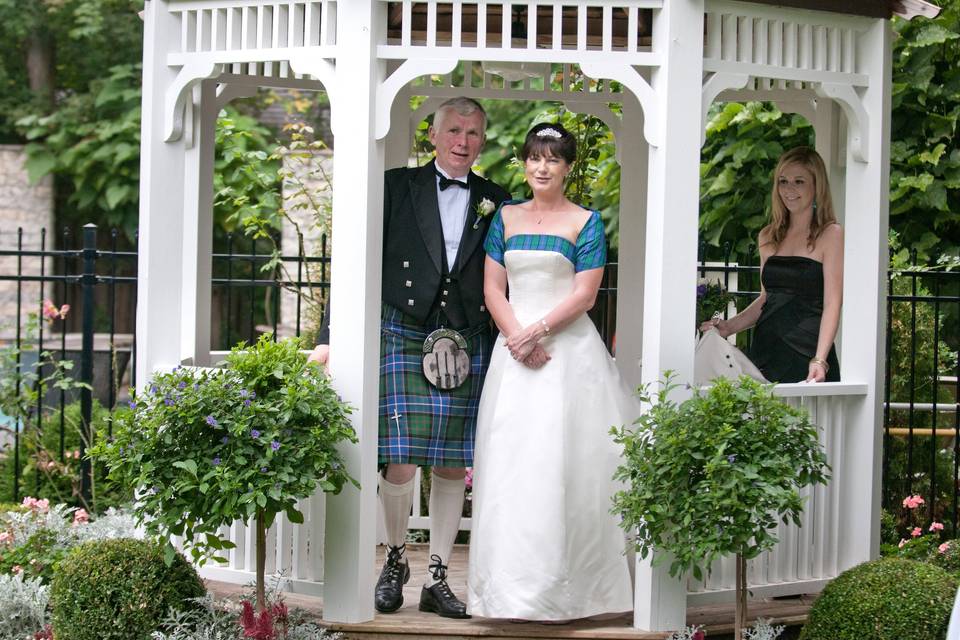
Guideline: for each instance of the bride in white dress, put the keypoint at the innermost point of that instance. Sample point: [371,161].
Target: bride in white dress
[544,544]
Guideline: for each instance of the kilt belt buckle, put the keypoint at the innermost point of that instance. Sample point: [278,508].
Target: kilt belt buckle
[446,361]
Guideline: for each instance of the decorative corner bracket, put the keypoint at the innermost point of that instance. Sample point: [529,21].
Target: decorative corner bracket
[387,90]
[716,84]
[629,78]
[858,120]
[602,111]
[323,70]
[180,91]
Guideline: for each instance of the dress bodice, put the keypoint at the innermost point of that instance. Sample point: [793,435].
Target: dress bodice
[787,331]
[537,281]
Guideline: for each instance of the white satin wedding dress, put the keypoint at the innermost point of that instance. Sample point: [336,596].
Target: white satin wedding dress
[544,545]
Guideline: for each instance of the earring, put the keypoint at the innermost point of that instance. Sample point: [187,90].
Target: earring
[814,206]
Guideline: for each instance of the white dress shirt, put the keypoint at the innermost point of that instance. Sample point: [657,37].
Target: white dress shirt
[453,202]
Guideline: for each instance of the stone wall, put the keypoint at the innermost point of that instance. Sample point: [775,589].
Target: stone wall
[28,207]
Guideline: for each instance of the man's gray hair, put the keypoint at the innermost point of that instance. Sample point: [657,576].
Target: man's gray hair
[462,105]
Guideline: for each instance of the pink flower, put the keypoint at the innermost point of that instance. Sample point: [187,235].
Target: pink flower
[6,537]
[902,542]
[917,532]
[943,548]
[936,526]
[36,505]
[80,516]
[468,479]
[76,454]
[17,569]
[51,312]
[912,502]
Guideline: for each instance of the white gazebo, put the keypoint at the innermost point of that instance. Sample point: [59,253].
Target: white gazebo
[669,60]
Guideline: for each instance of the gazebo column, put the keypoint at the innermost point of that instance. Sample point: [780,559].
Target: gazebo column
[198,227]
[355,307]
[671,252]
[864,313]
[633,150]
[160,265]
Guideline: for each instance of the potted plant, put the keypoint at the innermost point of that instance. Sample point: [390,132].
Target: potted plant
[711,475]
[207,447]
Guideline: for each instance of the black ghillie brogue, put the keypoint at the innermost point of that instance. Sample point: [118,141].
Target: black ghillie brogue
[439,599]
[388,596]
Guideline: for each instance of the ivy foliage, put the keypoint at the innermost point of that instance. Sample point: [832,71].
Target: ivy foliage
[744,141]
[734,458]
[925,152]
[92,141]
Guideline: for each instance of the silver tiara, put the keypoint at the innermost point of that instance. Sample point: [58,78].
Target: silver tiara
[549,132]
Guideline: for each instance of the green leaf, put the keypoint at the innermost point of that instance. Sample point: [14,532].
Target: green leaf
[187,465]
[40,163]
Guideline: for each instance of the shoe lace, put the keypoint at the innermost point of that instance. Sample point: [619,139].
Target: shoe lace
[439,572]
[393,567]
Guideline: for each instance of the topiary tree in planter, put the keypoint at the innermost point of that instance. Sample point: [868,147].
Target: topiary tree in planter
[886,599]
[712,475]
[207,447]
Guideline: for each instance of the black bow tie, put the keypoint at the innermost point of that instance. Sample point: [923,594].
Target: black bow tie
[448,182]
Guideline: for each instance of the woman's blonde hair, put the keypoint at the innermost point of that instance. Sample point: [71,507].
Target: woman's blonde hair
[823,214]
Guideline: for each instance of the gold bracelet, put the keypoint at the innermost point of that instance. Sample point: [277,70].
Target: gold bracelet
[546,327]
[822,363]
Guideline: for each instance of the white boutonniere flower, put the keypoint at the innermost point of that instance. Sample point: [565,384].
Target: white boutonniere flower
[483,209]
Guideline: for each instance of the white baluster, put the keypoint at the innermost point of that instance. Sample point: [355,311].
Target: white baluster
[607,39]
[728,31]
[633,31]
[556,38]
[745,39]
[457,23]
[482,28]
[506,20]
[581,27]
[531,28]
[432,23]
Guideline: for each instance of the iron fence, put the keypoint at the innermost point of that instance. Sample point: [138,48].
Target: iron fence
[254,290]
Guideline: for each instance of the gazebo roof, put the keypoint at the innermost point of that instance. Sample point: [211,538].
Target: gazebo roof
[871,8]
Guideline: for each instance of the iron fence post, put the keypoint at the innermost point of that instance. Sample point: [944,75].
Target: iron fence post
[87,283]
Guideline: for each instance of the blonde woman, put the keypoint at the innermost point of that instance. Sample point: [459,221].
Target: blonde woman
[801,266]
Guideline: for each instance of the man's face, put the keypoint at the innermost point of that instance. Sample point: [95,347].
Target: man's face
[458,140]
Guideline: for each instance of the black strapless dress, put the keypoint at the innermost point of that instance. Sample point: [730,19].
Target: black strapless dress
[785,337]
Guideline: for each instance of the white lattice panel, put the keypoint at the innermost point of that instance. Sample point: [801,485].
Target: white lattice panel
[777,43]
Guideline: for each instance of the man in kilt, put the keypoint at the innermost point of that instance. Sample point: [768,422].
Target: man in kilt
[435,219]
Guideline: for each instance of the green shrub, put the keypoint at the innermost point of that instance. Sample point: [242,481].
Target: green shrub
[36,557]
[886,599]
[118,589]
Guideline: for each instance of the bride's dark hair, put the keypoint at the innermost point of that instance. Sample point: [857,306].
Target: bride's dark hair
[549,139]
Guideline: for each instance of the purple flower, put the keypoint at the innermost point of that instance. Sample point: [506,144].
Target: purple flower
[253,394]
[701,290]
[225,439]
[263,469]
[153,388]
[168,401]
[212,421]
[254,433]
[133,405]
[153,491]
[121,450]
[216,461]
[182,385]
[731,458]
[244,393]
[246,402]
[274,445]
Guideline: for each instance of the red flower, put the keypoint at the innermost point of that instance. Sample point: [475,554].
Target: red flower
[257,627]
[698,635]
[44,634]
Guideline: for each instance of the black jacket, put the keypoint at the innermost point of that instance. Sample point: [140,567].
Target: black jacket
[413,249]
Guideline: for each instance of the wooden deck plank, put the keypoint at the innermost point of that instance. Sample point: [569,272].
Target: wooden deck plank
[409,622]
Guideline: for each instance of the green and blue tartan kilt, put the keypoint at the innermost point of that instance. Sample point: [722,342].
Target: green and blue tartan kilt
[419,423]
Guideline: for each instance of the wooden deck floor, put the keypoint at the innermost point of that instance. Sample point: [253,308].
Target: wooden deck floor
[408,623]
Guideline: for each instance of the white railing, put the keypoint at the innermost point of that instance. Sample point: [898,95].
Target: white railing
[294,551]
[553,30]
[806,556]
